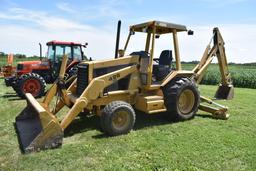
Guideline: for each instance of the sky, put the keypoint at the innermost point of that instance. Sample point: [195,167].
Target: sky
[25,23]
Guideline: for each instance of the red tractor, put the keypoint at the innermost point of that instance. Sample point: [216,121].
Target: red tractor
[32,76]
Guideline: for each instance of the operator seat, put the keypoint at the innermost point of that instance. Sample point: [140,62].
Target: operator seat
[144,62]
[162,69]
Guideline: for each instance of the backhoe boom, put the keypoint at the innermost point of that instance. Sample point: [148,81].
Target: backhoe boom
[225,90]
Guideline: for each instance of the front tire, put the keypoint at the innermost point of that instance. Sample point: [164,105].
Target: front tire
[117,118]
[181,98]
[30,83]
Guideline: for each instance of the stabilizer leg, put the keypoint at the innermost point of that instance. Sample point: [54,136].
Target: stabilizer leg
[218,112]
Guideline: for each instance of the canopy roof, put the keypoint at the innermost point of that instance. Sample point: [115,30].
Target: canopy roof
[55,42]
[161,27]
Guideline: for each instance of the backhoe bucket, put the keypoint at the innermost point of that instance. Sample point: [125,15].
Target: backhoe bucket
[37,128]
[225,92]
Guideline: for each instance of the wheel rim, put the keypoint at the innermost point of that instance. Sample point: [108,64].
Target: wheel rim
[120,120]
[186,101]
[31,86]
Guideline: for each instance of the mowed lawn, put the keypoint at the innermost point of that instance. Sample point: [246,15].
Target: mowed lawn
[202,143]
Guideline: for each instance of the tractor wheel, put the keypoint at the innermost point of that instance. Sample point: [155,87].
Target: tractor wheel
[30,83]
[181,98]
[117,118]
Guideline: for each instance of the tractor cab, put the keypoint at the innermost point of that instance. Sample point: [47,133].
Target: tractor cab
[154,69]
[56,51]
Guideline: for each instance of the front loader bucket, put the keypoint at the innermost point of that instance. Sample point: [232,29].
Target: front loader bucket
[225,92]
[37,128]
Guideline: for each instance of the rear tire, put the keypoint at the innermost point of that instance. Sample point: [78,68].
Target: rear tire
[117,118]
[181,98]
[30,83]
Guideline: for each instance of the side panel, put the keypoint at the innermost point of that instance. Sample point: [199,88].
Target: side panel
[97,69]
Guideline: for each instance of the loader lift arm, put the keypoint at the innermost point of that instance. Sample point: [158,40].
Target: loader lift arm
[92,92]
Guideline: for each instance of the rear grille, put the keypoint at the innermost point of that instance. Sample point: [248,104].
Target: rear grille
[82,78]
[20,67]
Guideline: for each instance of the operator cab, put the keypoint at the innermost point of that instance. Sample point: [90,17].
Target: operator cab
[56,51]
[154,70]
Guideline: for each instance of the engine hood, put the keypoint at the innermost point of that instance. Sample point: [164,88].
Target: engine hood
[30,62]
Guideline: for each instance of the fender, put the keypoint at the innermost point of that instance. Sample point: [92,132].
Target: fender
[175,74]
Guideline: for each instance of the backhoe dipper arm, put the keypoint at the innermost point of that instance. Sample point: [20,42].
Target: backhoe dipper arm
[225,90]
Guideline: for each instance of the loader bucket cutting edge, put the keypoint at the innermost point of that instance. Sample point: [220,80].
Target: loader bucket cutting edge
[37,128]
[225,92]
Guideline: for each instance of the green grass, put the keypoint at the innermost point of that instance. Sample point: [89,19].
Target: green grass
[155,143]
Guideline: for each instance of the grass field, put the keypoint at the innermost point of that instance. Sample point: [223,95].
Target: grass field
[155,143]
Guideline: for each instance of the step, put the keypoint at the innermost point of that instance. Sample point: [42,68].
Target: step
[157,111]
[152,98]
[149,104]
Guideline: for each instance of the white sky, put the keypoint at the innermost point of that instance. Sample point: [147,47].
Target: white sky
[21,29]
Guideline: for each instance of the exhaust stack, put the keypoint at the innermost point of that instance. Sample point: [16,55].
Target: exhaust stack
[117,38]
[40,48]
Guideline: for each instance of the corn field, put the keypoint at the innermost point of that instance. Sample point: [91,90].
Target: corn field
[243,75]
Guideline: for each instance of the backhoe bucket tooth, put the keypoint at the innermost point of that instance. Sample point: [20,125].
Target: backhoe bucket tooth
[225,92]
[37,128]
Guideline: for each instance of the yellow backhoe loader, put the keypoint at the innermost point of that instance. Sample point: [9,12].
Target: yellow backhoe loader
[113,89]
